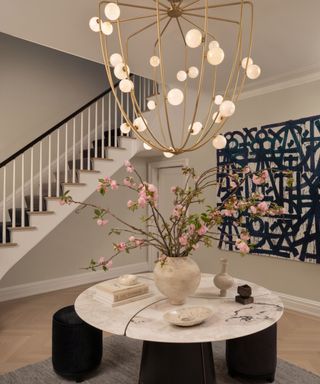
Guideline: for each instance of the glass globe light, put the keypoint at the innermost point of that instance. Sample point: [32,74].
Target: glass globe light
[106,28]
[154,61]
[147,147]
[193,38]
[112,11]
[214,44]
[253,71]
[244,62]
[151,105]
[168,154]
[94,24]
[121,71]
[196,128]
[218,99]
[140,123]
[215,56]
[182,75]
[125,128]
[126,85]
[193,72]
[217,118]
[115,59]
[175,96]
[227,108]
[219,142]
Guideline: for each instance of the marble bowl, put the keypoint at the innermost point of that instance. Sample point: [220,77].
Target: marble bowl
[188,316]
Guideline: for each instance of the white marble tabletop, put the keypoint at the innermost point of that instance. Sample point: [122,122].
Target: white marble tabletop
[143,319]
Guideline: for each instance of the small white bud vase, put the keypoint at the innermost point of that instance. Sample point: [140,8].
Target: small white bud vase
[177,278]
[223,280]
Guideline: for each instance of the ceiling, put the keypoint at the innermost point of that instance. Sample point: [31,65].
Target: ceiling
[286,35]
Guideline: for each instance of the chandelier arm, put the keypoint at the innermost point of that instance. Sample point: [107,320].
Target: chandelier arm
[248,2]
[163,30]
[189,5]
[137,6]
[181,31]
[137,18]
[212,18]
[197,26]
[205,129]
[202,70]
[235,58]
[164,88]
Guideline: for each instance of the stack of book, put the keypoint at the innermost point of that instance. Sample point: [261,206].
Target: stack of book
[113,293]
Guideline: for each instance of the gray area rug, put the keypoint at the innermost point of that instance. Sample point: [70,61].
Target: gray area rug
[121,361]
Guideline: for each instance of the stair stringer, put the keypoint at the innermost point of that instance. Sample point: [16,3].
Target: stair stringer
[24,239]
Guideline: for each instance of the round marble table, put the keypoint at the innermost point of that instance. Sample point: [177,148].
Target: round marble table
[143,320]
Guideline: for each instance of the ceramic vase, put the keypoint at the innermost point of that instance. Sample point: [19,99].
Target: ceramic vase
[177,278]
[223,280]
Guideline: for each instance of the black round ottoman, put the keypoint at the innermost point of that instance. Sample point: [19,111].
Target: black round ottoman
[253,356]
[76,345]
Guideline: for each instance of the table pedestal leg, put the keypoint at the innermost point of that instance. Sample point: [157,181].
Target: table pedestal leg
[177,363]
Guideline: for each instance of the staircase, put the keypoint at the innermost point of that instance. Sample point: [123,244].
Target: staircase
[70,156]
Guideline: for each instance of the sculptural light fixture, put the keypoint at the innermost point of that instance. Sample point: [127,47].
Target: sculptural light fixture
[197,23]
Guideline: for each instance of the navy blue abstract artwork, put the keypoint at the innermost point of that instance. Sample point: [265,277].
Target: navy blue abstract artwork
[292,145]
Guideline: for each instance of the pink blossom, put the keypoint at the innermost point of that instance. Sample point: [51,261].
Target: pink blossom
[62,202]
[265,174]
[178,210]
[142,202]
[129,166]
[258,196]
[263,206]
[228,212]
[233,184]
[121,246]
[173,189]
[282,211]
[202,230]
[257,180]
[242,246]
[132,239]
[183,240]
[130,203]
[109,264]
[106,179]
[102,222]
[152,188]
[195,246]
[113,184]
[138,242]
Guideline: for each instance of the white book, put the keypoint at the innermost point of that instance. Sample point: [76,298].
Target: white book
[105,300]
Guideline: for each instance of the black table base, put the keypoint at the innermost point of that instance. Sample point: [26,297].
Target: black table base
[177,363]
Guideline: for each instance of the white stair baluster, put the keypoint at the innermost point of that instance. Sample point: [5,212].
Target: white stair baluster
[109,120]
[115,127]
[66,155]
[89,146]
[96,130]
[4,213]
[31,181]
[81,141]
[40,177]
[22,192]
[102,126]
[58,164]
[13,194]
[74,151]
[49,167]
[121,113]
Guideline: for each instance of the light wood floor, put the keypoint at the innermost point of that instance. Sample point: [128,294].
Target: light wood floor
[25,332]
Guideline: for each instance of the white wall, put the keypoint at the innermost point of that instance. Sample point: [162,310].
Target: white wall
[286,276]
[39,88]
[78,239]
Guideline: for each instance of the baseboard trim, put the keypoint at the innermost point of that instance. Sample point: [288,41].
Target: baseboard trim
[300,304]
[36,288]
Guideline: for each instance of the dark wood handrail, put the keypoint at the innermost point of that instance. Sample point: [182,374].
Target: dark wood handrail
[54,128]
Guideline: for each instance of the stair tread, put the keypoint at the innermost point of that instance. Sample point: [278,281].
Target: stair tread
[120,148]
[21,229]
[40,212]
[102,158]
[4,245]
[76,184]
[88,171]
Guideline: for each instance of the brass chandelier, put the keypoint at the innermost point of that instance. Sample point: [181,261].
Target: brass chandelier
[184,56]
